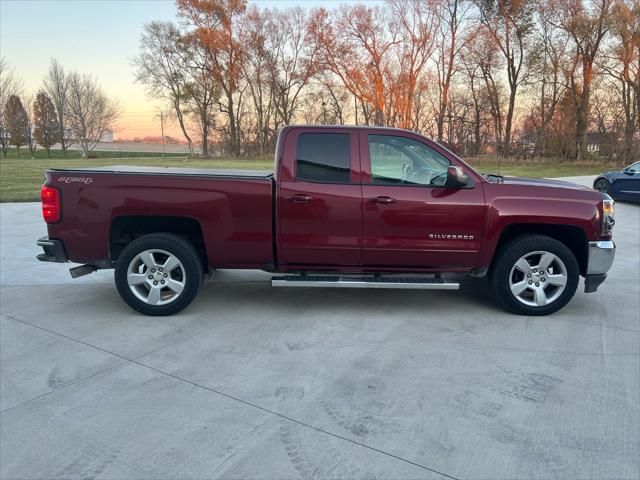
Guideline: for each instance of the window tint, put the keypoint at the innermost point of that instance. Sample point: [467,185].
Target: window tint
[324,157]
[403,161]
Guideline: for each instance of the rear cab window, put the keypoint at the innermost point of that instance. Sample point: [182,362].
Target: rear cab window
[323,157]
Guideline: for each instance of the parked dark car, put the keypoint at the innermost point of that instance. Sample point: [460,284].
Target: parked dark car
[621,185]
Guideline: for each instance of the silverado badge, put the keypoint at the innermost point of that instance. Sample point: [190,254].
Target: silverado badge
[449,236]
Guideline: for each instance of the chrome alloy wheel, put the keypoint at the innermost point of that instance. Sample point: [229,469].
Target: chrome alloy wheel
[156,277]
[538,278]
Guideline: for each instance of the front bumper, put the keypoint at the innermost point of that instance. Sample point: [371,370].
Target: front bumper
[53,250]
[601,255]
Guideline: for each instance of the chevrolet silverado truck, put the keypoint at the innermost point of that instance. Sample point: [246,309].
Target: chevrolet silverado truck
[359,207]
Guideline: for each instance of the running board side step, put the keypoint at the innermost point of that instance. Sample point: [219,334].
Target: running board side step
[410,283]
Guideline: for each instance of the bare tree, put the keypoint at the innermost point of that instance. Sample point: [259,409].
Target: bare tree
[586,24]
[547,55]
[9,85]
[214,24]
[201,91]
[622,63]
[56,84]
[452,35]
[355,43]
[509,24]
[459,70]
[415,22]
[473,83]
[481,53]
[160,68]
[328,103]
[89,112]
[255,72]
[292,53]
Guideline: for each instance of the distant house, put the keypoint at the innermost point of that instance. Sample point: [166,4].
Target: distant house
[595,141]
[107,136]
[604,144]
[528,142]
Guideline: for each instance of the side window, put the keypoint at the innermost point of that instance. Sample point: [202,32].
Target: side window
[403,161]
[324,157]
[635,168]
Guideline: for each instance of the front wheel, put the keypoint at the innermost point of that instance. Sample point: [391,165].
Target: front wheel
[602,185]
[534,275]
[158,274]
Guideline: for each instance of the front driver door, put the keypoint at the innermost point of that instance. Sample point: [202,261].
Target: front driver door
[628,184]
[410,218]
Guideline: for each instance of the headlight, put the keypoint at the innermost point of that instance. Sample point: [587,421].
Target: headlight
[608,219]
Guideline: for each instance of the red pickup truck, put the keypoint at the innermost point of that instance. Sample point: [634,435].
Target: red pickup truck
[356,207]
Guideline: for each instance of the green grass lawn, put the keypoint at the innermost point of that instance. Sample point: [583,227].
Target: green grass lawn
[21,178]
[73,154]
[540,170]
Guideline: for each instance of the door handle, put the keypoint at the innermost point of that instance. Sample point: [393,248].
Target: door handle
[299,198]
[382,199]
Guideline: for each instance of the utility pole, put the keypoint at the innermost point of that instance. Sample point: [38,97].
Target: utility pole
[162,129]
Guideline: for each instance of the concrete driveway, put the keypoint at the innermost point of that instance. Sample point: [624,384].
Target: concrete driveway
[254,382]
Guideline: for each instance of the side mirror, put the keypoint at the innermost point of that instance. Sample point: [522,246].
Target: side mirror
[456,177]
[626,171]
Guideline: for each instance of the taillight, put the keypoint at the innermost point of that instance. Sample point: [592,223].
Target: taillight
[50,204]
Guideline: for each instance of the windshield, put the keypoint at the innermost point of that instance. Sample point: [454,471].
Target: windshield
[634,168]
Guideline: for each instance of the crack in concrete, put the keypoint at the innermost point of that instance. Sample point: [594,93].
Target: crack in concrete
[217,392]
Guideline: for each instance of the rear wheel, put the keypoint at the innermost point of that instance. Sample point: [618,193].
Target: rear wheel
[159,274]
[534,275]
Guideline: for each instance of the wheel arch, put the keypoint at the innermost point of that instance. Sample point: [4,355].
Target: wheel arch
[126,228]
[574,237]
[601,177]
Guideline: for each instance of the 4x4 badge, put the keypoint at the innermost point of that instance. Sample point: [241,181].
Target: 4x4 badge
[85,180]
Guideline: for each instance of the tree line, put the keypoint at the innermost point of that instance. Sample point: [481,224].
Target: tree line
[514,77]
[69,109]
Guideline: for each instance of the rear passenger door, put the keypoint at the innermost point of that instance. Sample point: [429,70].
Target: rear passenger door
[319,198]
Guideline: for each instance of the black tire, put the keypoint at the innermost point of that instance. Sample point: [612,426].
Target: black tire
[504,270]
[602,185]
[189,273]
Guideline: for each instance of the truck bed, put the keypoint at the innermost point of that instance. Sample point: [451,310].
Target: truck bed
[232,209]
[180,171]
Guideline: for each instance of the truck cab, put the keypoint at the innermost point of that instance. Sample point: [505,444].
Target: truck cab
[375,198]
